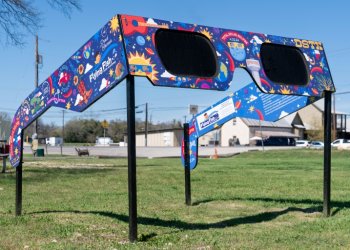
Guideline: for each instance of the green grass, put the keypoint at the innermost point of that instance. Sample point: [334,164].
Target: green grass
[251,201]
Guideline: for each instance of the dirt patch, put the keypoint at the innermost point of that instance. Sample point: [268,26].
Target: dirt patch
[229,205]
[67,165]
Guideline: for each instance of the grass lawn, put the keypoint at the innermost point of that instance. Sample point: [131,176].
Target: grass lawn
[252,201]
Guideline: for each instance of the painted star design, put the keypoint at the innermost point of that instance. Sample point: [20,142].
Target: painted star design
[251,109]
[68,105]
[111,72]
[148,38]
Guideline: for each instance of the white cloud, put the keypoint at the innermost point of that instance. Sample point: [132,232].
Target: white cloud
[257,40]
[151,21]
[283,114]
[87,68]
[252,98]
[79,99]
[166,74]
[104,84]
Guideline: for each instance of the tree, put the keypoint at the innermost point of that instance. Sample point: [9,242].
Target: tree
[83,131]
[5,124]
[19,17]
[317,132]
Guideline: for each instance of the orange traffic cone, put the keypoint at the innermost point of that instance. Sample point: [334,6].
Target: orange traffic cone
[215,156]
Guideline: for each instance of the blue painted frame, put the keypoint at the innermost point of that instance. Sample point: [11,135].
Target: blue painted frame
[126,45]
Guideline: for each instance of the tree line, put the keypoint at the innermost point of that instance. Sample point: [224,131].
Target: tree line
[83,130]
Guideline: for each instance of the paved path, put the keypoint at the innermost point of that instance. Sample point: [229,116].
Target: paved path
[150,152]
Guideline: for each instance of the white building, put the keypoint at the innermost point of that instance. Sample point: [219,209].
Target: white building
[160,138]
[241,130]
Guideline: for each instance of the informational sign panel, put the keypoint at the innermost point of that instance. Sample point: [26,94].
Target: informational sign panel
[248,102]
[219,113]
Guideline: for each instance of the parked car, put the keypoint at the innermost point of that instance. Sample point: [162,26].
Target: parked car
[341,144]
[302,143]
[277,141]
[316,145]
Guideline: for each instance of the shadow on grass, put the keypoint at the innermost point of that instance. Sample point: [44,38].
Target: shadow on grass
[182,225]
[33,175]
[338,205]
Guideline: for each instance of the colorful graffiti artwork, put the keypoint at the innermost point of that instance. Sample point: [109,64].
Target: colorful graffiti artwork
[127,45]
[93,70]
[234,49]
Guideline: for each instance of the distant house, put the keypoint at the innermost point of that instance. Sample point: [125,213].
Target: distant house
[312,117]
[160,138]
[242,130]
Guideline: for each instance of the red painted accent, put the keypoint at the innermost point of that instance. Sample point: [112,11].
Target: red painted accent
[189,30]
[191,130]
[238,104]
[50,83]
[315,91]
[263,81]
[66,95]
[183,148]
[149,51]
[234,34]
[261,116]
[154,39]
[133,24]
[316,69]
[230,59]
[204,80]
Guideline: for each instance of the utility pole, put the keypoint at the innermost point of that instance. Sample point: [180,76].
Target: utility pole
[262,138]
[334,119]
[36,80]
[62,132]
[146,124]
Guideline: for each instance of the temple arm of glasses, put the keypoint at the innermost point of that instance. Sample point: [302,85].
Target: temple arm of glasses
[97,67]
[247,102]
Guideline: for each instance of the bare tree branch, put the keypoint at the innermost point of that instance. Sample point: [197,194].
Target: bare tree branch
[65,6]
[19,17]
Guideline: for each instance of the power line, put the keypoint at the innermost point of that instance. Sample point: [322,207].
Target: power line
[342,93]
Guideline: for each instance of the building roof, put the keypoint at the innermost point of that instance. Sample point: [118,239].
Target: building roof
[160,131]
[276,134]
[289,118]
[320,106]
[256,123]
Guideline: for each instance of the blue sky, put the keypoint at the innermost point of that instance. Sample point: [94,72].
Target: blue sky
[60,37]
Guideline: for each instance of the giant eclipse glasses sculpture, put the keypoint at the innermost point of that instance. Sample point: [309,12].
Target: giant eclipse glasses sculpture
[172,54]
